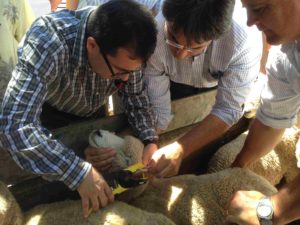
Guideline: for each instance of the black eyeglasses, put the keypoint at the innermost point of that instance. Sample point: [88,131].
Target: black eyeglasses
[113,74]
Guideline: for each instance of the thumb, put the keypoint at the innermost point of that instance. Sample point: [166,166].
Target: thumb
[230,220]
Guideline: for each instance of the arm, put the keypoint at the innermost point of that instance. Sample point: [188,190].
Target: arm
[137,107]
[21,133]
[30,144]
[242,206]
[208,130]
[72,4]
[166,161]
[260,140]
[54,4]
[140,115]
[286,203]
[233,88]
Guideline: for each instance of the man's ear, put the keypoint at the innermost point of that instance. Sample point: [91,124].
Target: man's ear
[91,45]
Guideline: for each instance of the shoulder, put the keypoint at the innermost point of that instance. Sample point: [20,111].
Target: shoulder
[52,32]
[284,60]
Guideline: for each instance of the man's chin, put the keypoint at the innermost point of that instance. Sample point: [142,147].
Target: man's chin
[273,39]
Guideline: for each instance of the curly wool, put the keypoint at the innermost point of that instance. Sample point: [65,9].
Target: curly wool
[193,200]
[129,151]
[70,212]
[278,163]
[10,213]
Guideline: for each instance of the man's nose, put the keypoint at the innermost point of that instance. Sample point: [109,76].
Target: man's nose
[181,54]
[125,77]
[251,18]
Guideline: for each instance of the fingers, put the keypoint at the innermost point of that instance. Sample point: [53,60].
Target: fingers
[103,168]
[90,151]
[168,171]
[230,220]
[101,159]
[109,193]
[105,156]
[94,192]
[85,206]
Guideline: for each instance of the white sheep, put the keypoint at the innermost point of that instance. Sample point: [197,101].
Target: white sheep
[10,213]
[70,212]
[186,200]
[129,151]
[193,200]
[280,162]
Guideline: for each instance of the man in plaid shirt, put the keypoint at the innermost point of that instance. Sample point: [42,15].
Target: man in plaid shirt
[72,61]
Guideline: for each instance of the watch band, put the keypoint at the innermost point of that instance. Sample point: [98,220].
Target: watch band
[147,142]
[265,222]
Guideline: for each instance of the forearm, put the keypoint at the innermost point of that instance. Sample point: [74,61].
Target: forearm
[36,153]
[138,109]
[286,203]
[72,4]
[206,131]
[260,140]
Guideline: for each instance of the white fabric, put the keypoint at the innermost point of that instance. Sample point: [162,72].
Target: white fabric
[280,100]
[236,56]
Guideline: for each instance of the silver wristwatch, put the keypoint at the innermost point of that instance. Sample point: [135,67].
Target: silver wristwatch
[264,211]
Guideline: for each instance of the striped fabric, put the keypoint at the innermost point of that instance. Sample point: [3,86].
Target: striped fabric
[234,65]
[150,4]
[53,67]
[280,100]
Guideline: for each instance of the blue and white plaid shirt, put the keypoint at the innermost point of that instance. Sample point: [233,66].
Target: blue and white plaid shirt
[53,68]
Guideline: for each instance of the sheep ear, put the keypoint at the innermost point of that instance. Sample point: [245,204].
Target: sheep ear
[98,132]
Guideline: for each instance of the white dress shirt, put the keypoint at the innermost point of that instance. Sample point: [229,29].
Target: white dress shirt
[233,66]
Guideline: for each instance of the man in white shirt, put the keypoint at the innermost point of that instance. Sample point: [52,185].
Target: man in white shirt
[199,47]
[280,102]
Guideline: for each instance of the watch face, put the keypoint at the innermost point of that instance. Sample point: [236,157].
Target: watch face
[264,211]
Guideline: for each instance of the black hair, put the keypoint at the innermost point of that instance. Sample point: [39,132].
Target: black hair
[199,19]
[123,23]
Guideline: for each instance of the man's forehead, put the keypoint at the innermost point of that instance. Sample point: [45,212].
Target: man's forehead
[249,3]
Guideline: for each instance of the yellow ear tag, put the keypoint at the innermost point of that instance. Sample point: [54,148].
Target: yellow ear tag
[131,168]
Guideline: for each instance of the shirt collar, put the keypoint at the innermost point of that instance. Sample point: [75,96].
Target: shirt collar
[79,50]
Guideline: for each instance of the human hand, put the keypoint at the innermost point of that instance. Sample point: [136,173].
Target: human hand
[100,158]
[165,162]
[94,192]
[148,152]
[241,209]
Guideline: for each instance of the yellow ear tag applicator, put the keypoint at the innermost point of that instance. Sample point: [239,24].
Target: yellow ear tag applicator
[122,180]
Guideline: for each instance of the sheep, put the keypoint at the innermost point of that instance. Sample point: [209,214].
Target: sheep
[191,199]
[10,213]
[70,212]
[187,199]
[129,151]
[280,162]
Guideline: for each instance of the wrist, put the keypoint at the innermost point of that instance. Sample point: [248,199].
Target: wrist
[150,141]
[277,217]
